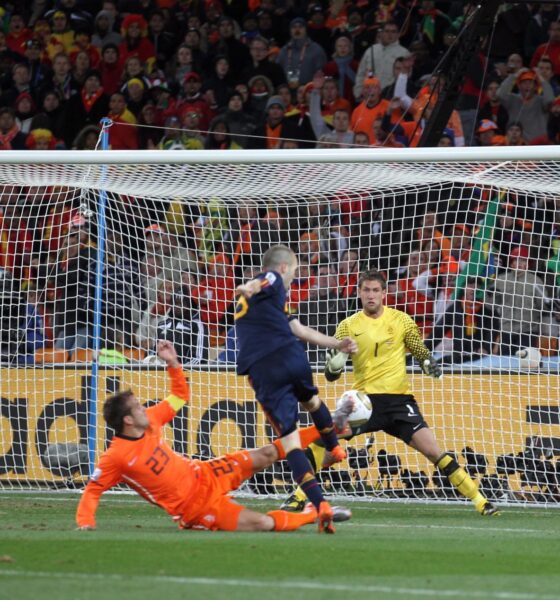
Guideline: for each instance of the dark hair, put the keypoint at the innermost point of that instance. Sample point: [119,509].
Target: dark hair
[515,124]
[116,408]
[372,275]
[109,46]
[391,23]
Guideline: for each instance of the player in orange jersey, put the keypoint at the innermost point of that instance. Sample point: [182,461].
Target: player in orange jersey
[195,493]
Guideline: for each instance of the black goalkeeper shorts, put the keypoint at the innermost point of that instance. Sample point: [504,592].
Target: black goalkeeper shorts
[395,414]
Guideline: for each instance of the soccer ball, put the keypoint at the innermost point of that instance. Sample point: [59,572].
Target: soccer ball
[529,358]
[362,407]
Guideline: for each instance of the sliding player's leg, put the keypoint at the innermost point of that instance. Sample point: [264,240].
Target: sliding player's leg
[222,513]
[214,509]
[425,442]
[275,520]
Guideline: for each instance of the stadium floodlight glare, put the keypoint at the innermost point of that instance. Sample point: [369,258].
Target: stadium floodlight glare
[182,227]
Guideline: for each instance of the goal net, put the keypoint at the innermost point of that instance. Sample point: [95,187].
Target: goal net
[104,253]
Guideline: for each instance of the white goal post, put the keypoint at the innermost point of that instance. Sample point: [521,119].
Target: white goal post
[102,253]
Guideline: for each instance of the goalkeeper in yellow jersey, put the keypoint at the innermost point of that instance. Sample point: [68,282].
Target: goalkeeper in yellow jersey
[383,336]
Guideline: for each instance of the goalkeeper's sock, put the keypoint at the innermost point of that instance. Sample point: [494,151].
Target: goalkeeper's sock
[461,481]
[288,521]
[307,436]
[315,454]
[304,476]
[323,421]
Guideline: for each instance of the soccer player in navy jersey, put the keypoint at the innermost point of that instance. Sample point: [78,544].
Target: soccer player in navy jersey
[270,353]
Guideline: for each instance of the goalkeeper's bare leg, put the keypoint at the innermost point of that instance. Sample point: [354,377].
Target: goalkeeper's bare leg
[425,442]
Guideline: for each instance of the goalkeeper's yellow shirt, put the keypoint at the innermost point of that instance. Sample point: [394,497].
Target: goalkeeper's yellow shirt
[379,364]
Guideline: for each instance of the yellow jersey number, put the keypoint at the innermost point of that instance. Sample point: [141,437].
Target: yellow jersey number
[241,308]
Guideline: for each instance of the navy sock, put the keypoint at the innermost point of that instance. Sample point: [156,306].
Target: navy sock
[304,476]
[322,419]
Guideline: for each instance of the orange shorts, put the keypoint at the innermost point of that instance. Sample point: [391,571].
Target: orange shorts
[214,508]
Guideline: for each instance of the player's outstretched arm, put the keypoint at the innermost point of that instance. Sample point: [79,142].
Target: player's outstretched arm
[106,475]
[180,391]
[415,344]
[166,351]
[312,336]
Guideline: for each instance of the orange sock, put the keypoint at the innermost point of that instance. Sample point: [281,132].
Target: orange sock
[307,436]
[280,448]
[288,521]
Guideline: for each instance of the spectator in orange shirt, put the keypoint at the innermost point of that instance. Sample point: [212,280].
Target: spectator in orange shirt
[309,250]
[428,232]
[301,286]
[195,493]
[216,292]
[446,273]
[461,243]
[348,273]
[421,108]
[371,108]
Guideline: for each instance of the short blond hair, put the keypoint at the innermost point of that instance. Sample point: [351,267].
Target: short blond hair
[276,256]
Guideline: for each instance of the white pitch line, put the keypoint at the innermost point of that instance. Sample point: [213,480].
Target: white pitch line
[288,585]
[451,527]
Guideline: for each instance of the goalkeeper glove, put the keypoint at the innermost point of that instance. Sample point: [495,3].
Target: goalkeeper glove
[431,368]
[335,364]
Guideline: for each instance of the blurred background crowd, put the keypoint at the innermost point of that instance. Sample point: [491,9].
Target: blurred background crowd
[171,269]
[271,74]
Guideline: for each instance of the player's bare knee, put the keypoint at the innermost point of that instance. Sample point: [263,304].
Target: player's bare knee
[291,441]
[263,457]
[253,521]
[312,405]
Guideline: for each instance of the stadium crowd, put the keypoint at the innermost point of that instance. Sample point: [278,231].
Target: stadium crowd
[270,74]
[171,270]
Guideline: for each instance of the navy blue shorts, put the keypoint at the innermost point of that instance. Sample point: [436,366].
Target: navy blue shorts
[281,381]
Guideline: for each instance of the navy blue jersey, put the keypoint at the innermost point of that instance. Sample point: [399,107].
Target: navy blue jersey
[261,323]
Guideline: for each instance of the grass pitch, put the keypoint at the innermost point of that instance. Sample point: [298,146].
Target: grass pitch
[388,551]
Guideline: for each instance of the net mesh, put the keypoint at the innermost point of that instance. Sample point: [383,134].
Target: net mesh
[470,250]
